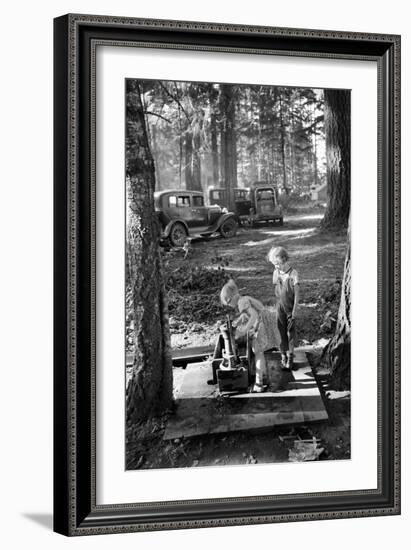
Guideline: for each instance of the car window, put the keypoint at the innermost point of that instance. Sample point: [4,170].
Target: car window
[178,200]
[183,200]
[264,194]
[198,201]
[241,194]
[217,195]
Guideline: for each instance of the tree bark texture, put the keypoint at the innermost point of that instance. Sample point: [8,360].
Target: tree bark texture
[337,122]
[314,150]
[188,164]
[229,139]
[282,137]
[214,147]
[150,388]
[153,136]
[337,354]
[196,159]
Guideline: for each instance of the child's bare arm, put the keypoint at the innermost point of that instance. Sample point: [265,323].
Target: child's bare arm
[241,319]
[275,282]
[252,321]
[296,299]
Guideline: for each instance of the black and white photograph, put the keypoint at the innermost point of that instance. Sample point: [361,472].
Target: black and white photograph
[237,274]
[203,251]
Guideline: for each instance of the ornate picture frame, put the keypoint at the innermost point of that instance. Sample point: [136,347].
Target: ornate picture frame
[76,40]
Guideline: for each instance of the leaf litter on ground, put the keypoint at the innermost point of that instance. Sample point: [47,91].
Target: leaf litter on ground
[305,451]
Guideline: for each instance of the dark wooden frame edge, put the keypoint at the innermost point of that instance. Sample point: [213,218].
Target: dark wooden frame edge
[75,509]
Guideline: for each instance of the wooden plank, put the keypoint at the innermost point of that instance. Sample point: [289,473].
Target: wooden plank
[182,356]
[252,422]
[178,378]
[203,416]
[303,373]
[197,375]
[195,381]
[294,398]
[313,408]
[192,417]
[300,358]
[315,416]
[256,404]
[187,353]
[201,352]
[311,401]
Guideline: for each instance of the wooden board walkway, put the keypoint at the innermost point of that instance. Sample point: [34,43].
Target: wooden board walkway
[183,356]
[292,398]
[180,358]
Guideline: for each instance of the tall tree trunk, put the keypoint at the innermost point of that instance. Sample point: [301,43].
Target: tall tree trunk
[260,155]
[315,161]
[337,355]
[222,128]
[188,165]
[154,150]
[196,166]
[282,137]
[229,139]
[272,164]
[294,169]
[150,388]
[337,119]
[180,147]
[222,155]
[213,101]
[214,147]
[196,125]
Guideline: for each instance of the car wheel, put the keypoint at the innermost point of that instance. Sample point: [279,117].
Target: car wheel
[178,234]
[229,228]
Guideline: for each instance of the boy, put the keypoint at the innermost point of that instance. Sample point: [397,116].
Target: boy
[287,291]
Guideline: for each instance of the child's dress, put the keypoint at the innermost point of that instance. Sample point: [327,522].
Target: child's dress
[262,321]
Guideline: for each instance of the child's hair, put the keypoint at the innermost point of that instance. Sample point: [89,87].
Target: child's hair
[229,290]
[277,252]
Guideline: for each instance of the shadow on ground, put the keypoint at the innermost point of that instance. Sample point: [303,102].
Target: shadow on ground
[45,520]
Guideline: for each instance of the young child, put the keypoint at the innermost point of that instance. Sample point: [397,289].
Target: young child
[287,291]
[260,324]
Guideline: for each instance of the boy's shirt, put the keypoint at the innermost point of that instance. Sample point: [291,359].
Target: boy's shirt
[284,283]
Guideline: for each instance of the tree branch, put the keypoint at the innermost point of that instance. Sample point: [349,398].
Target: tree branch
[176,100]
[157,115]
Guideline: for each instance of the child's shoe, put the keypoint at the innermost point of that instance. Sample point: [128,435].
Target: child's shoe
[258,388]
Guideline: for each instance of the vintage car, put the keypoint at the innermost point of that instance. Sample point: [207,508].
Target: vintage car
[265,205]
[242,203]
[257,203]
[183,214]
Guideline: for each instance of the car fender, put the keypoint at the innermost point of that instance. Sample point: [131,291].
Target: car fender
[167,229]
[221,220]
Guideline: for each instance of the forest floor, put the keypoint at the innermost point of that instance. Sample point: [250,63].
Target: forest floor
[194,278]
